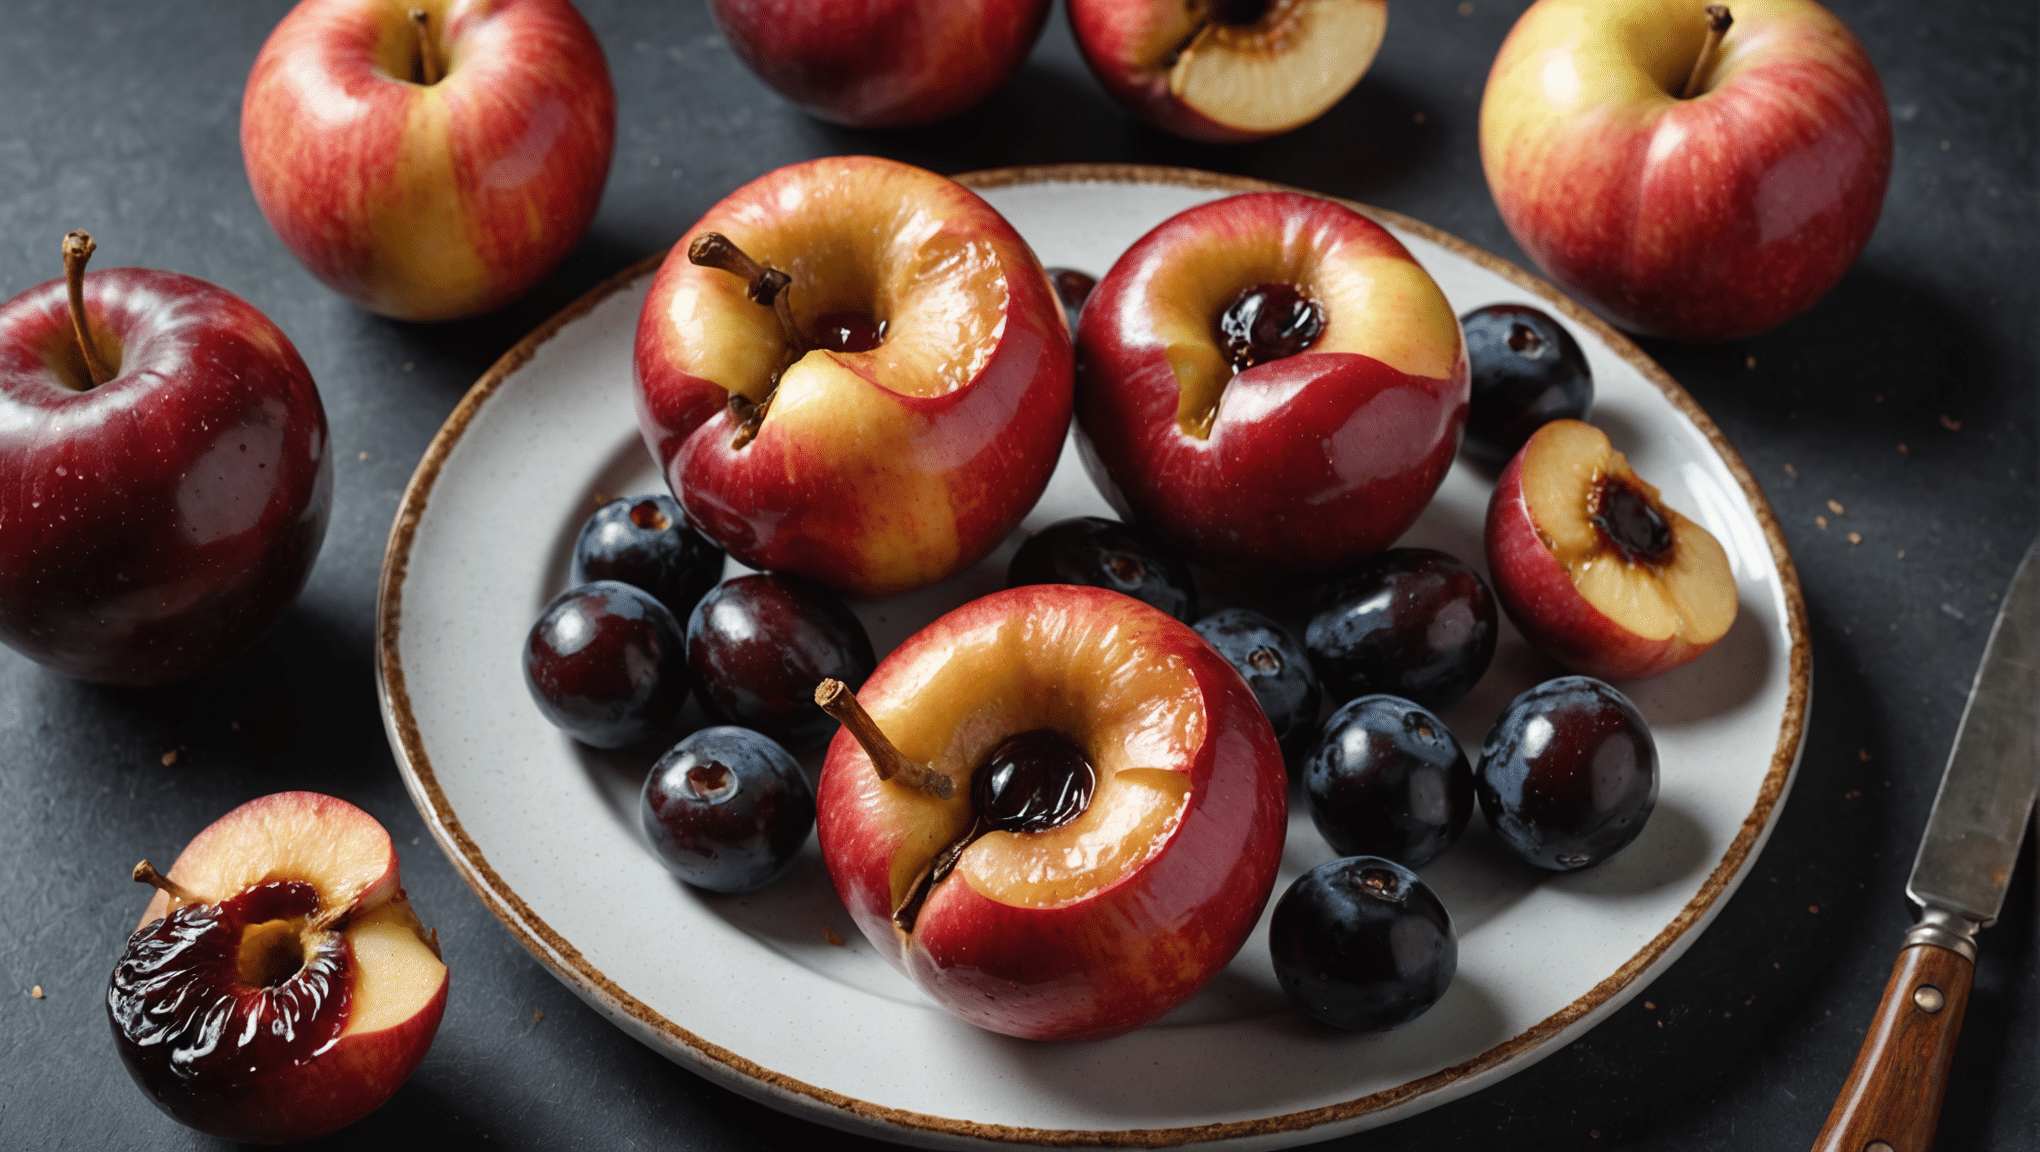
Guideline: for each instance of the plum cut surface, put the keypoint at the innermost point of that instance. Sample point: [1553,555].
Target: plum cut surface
[1269,322]
[1033,782]
[213,996]
[1629,521]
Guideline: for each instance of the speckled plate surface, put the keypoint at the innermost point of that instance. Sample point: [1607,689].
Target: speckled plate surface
[752,992]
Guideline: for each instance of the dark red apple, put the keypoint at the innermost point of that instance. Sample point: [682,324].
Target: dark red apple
[160,511]
[1597,571]
[882,63]
[1072,818]
[1695,192]
[434,169]
[279,986]
[1271,383]
[867,384]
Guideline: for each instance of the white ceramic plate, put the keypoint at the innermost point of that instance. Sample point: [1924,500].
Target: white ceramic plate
[546,831]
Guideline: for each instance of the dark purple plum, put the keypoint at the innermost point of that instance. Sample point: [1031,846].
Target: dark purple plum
[646,542]
[1111,554]
[1411,622]
[607,663]
[1072,288]
[1032,782]
[759,644]
[1527,371]
[1275,667]
[1362,943]
[727,809]
[1388,779]
[1569,774]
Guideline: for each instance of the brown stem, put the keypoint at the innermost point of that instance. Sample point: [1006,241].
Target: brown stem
[1718,21]
[428,60]
[146,873]
[836,698]
[763,285]
[78,248]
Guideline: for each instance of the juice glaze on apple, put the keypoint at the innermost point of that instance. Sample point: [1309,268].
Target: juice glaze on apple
[224,993]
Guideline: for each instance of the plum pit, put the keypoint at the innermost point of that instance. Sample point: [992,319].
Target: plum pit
[1630,521]
[1033,782]
[1269,322]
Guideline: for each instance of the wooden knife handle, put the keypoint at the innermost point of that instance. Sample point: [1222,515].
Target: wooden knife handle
[1893,1096]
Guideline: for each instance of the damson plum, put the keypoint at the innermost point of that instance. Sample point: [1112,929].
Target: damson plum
[727,809]
[1072,288]
[646,542]
[1569,774]
[607,663]
[1527,371]
[1411,622]
[759,644]
[1105,553]
[1388,779]
[1275,667]
[1362,943]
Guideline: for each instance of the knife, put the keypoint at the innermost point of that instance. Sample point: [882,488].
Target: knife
[1892,1101]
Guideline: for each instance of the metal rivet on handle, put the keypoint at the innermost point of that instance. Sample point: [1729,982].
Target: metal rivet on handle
[1928,999]
[1878,1146]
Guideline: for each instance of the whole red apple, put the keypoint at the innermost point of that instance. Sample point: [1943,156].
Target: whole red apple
[1709,216]
[1270,382]
[882,63]
[1597,571]
[429,170]
[279,986]
[1106,817]
[1224,71]
[867,385]
[162,505]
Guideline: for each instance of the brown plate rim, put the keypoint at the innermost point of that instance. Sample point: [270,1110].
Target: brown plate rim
[567,963]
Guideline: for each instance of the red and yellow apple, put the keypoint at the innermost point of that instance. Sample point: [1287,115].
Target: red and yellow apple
[1312,457]
[1105,921]
[1592,565]
[882,63]
[279,986]
[1224,71]
[430,171]
[162,504]
[910,417]
[1705,218]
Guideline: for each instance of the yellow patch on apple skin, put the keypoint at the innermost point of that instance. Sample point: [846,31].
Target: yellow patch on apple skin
[1378,302]
[1132,706]
[1284,71]
[1690,593]
[430,268]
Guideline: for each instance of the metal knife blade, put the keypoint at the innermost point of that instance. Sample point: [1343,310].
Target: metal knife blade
[1979,815]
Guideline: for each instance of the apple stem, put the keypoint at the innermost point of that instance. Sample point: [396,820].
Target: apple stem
[763,285]
[78,248]
[428,60]
[1718,21]
[836,698]
[146,873]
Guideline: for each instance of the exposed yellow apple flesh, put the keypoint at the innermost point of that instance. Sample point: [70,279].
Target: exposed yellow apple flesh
[1378,302]
[397,971]
[1100,686]
[1569,472]
[1282,70]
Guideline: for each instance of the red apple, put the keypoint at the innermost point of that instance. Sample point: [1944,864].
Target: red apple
[1130,896]
[1312,440]
[153,524]
[910,417]
[1592,565]
[882,63]
[429,171]
[1228,70]
[1704,218]
[279,986]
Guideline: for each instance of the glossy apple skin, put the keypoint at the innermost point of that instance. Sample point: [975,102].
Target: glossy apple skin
[1315,461]
[882,63]
[429,202]
[852,481]
[1705,219]
[1124,954]
[361,1070]
[1542,601]
[154,527]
